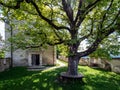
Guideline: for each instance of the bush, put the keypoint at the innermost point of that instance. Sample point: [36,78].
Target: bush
[2,54]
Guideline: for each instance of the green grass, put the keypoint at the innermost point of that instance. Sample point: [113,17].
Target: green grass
[19,78]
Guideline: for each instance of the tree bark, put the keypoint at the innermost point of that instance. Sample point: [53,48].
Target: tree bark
[73,65]
[73,58]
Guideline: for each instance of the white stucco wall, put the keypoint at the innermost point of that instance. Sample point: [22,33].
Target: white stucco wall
[23,57]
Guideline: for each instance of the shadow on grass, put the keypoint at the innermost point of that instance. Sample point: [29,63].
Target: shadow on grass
[21,79]
[15,73]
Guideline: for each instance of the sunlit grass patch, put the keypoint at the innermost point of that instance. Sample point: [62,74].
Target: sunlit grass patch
[19,78]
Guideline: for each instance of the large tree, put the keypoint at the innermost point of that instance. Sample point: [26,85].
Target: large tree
[71,21]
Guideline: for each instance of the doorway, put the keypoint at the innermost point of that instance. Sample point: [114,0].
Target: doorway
[35,59]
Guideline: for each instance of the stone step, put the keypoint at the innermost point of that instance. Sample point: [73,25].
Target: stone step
[36,68]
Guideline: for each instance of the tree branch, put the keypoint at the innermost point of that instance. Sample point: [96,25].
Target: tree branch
[51,8]
[17,6]
[46,19]
[57,35]
[105,14]
[86,36]
[116,17]
[87,9]
[79,11]
[67,8]
[96,43]
[92,5]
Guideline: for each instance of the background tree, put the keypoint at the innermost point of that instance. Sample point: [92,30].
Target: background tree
[70,22]
[62,50]
[2,53]
[109,47]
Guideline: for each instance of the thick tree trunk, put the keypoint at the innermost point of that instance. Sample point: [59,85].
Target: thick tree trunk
[73,65]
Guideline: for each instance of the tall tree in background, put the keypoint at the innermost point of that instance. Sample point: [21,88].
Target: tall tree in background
[71,21]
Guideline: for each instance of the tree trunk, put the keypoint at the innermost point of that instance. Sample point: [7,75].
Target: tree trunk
[73,65]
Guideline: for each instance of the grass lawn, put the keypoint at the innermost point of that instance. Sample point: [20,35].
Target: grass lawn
[20,79]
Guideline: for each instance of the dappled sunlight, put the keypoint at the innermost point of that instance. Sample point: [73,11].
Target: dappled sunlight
[103,79]
[36,80]
[60,64]
[46,80]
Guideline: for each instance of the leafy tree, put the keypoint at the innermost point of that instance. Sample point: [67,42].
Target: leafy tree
[62,50]
[1,47]
[109,46]
[69,21]
[2,53]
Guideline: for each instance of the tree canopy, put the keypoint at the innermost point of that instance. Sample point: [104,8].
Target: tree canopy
[65,21]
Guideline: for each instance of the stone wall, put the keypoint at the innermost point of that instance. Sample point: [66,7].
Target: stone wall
[115,65]
[4,64]
[49,56]
[23,57]
[83,61]
[111,65]
[19,57]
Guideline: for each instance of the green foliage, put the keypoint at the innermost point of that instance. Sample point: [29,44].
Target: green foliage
[94,19]
[34,30]
[69,22]
[30,22]
[101,53]
[2,54]
[62,50]
[109,46]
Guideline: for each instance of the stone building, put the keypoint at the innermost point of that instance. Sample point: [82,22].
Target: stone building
[31,56]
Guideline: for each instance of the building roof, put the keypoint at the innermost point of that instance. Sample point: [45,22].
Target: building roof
[85,57]
[115,56]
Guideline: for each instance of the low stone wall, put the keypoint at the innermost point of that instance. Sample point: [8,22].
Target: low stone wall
[4,64]
[83,61]
[113,65]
